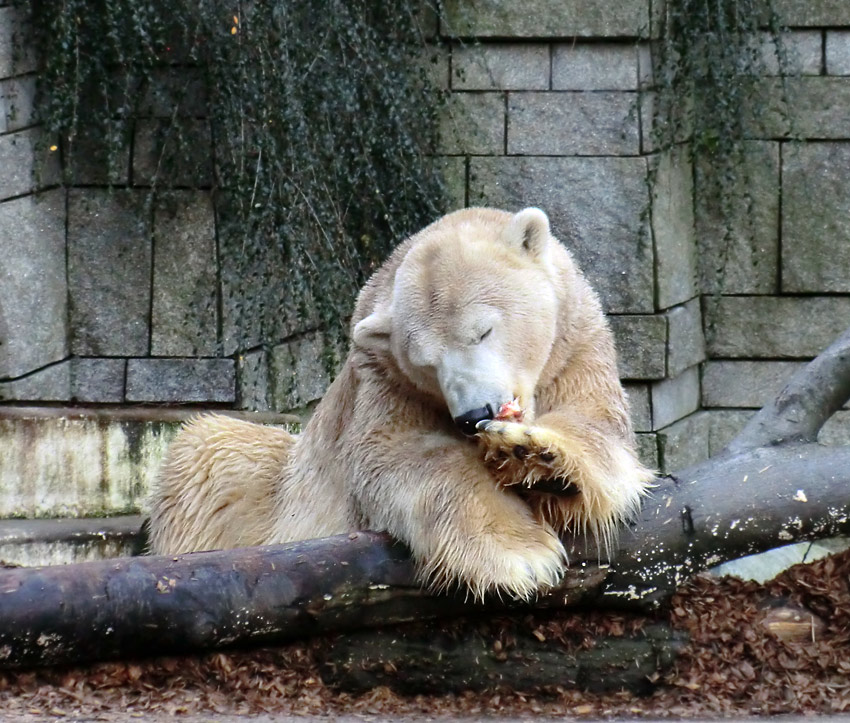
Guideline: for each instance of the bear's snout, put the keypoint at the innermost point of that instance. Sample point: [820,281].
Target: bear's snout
[466,422]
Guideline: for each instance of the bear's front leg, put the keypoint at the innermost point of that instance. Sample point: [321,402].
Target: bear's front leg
[600,478]
[433,493]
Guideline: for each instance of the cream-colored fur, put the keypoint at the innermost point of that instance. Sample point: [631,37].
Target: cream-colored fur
[478,308]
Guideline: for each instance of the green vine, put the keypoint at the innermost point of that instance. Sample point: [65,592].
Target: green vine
[320,119]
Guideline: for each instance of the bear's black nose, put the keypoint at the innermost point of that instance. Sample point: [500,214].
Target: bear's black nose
[467,421]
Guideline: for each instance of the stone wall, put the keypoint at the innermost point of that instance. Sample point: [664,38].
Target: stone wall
[106,300]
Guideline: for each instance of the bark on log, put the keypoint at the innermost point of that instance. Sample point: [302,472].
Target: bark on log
[750,499]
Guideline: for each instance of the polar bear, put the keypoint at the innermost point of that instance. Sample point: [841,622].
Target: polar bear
[480,308]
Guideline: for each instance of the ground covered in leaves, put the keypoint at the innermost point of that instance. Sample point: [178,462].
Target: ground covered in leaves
[734,665]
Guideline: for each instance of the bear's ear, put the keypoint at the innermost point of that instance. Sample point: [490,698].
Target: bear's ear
[373,332]
[528,231]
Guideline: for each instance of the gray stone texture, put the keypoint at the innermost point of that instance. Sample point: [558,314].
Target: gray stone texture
[639,406]
[684,443]
[594,66]
[685,338]
[838,52]
[51,384]
[184,319]
[432,67]
[641,342]
[739,234]
[673,230]
[675,398]
[759,327]
[17,96]
[95,380]
[803,107]
[546,18]
[253,380]
[816,218]
[33,287]
[836,432]
[454,176]
[299,372]
[802,51]
[472,123]
[744,383]
[26,164]
[647,449]
[812,13]
[94,160]
[724,425]
[109,271]
[17,54]
[573,124]
[181,380]
[500,66]
[162,154]
[597,209]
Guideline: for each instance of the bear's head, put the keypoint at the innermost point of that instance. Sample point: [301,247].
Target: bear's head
[472,314]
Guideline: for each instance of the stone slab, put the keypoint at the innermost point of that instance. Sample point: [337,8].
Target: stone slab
[673,230]
[838,52]
[33,287]
[158,156]
[27,163]
[454,172]
[174,91]
[675,398]
[253,385]
[684,443]
[181,380]
[647,449]
[595,66]
[17,98]
[739,234]
[17,54]
[184,316]
[759,327]
[816,218]
[299,372]
[546,18]
[685,338]
[836,432]
[500,66]
[100,156]
[50,384]
[597,209]
[98,380]
[109,272]
[573,124]
[724,425]
[802,50]
[472,123]
[746,384]
[812,13]
[641,342]
[639,406]
[815,107]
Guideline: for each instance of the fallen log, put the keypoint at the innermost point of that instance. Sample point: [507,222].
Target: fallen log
[768,489]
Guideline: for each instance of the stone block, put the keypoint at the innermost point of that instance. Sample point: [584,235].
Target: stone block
[175,155]
[647,449]
[641,345]
[17,98]
[812,13]
[684,443]
[95,380]
[100,156]
[724,425]
[174,91]
[816,218]
[803,107]
[33,286]
[803,51]
[185,285]
[744,383]
[673,230]
[594,66]
[597,209]
[454,172]
[838,52]
[27,164]
[472,123]
[299,372]
[639,406]
[573,124]
[649,122]
[685,338]
[431,67]
[109,272]
[675,398]
[739,234]
[17,51]
[252,375]
[500,66]
[546,18]
[51,384]
[181,380]
[770,327]
[836,432]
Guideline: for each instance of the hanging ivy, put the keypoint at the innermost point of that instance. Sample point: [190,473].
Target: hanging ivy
[312,122]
